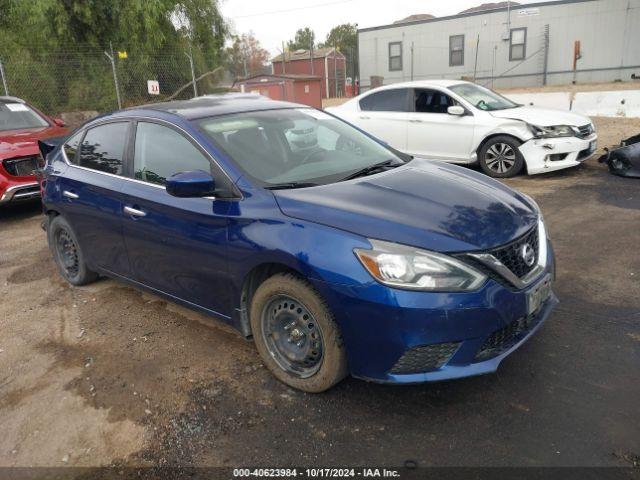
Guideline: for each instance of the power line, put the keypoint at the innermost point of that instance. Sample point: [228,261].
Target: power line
[308,7]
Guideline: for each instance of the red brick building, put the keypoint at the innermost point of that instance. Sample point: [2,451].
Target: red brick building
[297,88]
[328,63]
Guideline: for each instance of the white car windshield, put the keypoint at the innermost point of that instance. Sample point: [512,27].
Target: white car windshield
[295,146]
[481,97]
[16,116]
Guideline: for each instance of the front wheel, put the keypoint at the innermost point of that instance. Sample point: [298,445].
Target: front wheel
[296,334]
[500,157]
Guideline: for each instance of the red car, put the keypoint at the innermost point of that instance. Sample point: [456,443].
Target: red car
[21,126]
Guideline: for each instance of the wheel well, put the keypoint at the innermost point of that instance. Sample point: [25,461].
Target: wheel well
[251,283]
[494,135]
[499,135]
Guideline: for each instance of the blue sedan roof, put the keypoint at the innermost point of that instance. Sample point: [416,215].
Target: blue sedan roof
[213,105]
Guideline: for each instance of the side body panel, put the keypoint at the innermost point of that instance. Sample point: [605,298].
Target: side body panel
[95,215]
[179,245]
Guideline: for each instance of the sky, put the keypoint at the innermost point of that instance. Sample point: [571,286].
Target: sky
[275,21]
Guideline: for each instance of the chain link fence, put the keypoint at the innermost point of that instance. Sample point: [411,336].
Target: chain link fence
[104,80]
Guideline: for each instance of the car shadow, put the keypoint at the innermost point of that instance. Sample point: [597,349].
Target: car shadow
[20,211]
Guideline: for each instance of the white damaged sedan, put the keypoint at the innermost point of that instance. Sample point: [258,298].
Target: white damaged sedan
[464,123]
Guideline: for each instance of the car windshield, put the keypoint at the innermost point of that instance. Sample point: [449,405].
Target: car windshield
[482,97]
[299,147]
[15,116]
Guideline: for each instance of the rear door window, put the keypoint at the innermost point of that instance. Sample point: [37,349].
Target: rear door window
[103,148]
[394,100]
[71,147]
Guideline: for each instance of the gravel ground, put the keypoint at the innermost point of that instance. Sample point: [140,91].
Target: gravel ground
[105,374]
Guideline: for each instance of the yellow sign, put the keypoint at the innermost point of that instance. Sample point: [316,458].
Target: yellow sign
[122,54]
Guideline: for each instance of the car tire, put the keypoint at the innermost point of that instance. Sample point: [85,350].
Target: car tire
[500,157]
[296,335]
[67,253]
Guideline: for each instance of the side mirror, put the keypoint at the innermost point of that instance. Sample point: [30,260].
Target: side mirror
[59,122]
[196,183]
[456,110]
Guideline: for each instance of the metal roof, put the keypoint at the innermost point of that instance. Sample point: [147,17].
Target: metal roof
[444,83]
[213,105]
[306,54]
[470,14]
[9,99]
[287,76]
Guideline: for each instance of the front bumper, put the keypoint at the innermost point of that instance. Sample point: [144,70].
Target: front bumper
[543,155]
[19,191]
[469,333]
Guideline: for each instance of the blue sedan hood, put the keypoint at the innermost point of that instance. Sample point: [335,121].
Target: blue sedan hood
[426,204]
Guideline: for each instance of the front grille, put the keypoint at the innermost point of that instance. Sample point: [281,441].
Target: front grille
[584,154]
[511,255]
[506,337]
[424,358]
[486,270]
[585,131]
[22,166]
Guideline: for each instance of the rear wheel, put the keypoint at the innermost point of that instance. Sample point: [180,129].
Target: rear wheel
[67,254]
[296,334]
[500,157]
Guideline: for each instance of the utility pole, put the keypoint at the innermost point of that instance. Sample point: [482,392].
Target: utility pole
[546,54]
[311,56]
[4,79]
[412,61]
[284,59]
[475,65]
[115,75]
[335,69]
[493,63]
[193,73]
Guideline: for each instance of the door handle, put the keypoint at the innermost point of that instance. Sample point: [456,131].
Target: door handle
[134,212]
[365,118]
[415,120]
[71,195]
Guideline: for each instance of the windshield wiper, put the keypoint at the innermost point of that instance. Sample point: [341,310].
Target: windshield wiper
[284,186]
[372,169]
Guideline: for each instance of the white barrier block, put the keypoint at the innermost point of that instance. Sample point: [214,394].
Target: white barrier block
[615,103]
[557,100]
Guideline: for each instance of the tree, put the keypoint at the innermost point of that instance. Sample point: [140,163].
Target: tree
[245,56]
[345,38]
[303,40]
[55,58]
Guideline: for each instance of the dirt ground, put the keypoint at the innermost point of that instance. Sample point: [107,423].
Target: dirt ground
[107,375]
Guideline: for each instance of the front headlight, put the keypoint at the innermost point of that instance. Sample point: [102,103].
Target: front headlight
[552,132]
[411,268]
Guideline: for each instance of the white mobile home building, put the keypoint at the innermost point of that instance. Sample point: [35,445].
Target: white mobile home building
[556,42]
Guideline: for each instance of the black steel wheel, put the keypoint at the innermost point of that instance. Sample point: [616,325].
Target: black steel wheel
[67,253]
[296,335]
[500,157]
[292,336]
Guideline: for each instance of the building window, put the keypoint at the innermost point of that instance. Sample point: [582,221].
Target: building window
[395,56]
[456,50]
[518,44]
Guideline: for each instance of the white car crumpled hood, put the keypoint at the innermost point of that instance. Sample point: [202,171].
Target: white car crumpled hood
[543,117]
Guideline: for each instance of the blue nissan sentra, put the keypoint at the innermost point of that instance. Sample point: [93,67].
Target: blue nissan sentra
[337,254]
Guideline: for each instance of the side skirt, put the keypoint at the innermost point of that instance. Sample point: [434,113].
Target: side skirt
[141,286]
